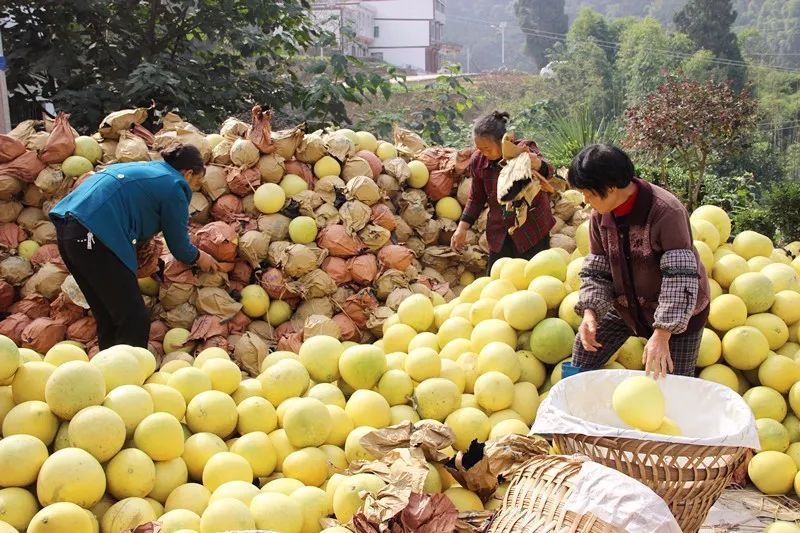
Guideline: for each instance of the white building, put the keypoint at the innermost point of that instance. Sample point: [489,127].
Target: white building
[405,33]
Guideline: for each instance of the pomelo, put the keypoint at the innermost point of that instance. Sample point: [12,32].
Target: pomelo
[639,402]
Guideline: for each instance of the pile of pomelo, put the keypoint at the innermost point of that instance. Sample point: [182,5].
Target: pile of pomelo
[107,444]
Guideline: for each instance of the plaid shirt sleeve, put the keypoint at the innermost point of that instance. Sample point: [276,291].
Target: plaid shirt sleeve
[597,291]
[679,287]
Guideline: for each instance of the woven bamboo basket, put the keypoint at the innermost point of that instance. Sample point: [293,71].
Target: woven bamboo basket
[536,500]
[688,477]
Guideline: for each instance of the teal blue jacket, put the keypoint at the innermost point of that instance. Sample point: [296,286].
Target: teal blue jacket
[130,202]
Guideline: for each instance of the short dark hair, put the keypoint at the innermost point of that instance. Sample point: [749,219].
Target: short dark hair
[184,157]
[492,126]
[599,167]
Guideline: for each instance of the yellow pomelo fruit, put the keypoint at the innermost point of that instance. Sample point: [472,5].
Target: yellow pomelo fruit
[513,272]
[352,447]
[169,476]
[794,452]
[256,414]
[397,337]
[73,386]
[531,369]
[630,353]
[782,276]
[721,374]
[71,475]
[792,425]
[468,424]
[669,427]
[327,393]
[248,388]
[257,449]
[158,378]
[285,379]
[472,292]
[97,430]
[524,309]
[448,208]
[551,289]
[165,400]
[127,514]
[508,427]
[368,408]
[281,445]
[26,355]
[500,357]
[766,403]
[347,500]
[705,232]
[255,301]
[416,311]
[63,353]
[772,435]
[483,309]
[728,268]
[313,503]
[714,290]
[419,174]
[717,216]
[160,436]
[582,238]
[327,166]
[773,328]
[189,382]
[551,340]
[362,366]
[147,361]
[710,349]
[505,414]
[269,198]
[341,425]
[422,363]
[133,404]
[226,466]
[21,458]
[396,386]
[461,310]
[727,312]
[226,514]
[131,473]
[779,373]
[190,496]
[436,398]
[744,347]
[453,372]
[277,512]
[525,401]
[206,355]
[758,263]
[320,355]
[750,244]
[224,374]
[782,527]
[17,507]
[426,339]
[494,391]
[198,449]
[30,380]
[403,413]
[706,255]
[756,291]
[566,311]
[61,440]
[464,500]
[60,518]
[238,490]
[451,329]
[490,331]
[212,412]
[468,400]
[386,151]
[786,306]
[285,486]
[546,263]
[33,418]
[309,465]
[171,366]
[455,348]
[772,472]
[119,367]
[307,423]
[639,402]
[174,521]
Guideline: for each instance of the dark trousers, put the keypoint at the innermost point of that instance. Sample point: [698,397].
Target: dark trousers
[509,250]
[110,288]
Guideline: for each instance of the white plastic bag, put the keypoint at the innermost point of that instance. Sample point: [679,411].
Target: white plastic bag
[709,414]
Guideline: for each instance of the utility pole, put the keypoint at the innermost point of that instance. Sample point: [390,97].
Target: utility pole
[5,116]
[502,27]
[469,58]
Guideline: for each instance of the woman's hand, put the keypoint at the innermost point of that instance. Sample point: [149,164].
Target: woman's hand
[588,331]
[459,237]
[206,262]
[657,358]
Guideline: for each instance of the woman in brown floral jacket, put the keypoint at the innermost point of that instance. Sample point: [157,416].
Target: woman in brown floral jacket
[643,276]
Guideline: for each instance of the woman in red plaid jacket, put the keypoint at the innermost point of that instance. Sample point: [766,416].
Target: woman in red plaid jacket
[530,238]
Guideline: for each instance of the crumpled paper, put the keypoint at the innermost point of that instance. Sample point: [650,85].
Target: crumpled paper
[423,513]
[482,465]
[427,437]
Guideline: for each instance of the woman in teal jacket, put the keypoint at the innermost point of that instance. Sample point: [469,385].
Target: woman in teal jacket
[99,224]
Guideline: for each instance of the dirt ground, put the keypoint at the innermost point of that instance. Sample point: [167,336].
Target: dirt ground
[746,510]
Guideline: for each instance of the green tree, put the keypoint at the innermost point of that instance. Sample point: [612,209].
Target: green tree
[590,25]
[646,51]
[541,21]
[206,59]
[584,78]
[708,24]
[692,123]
